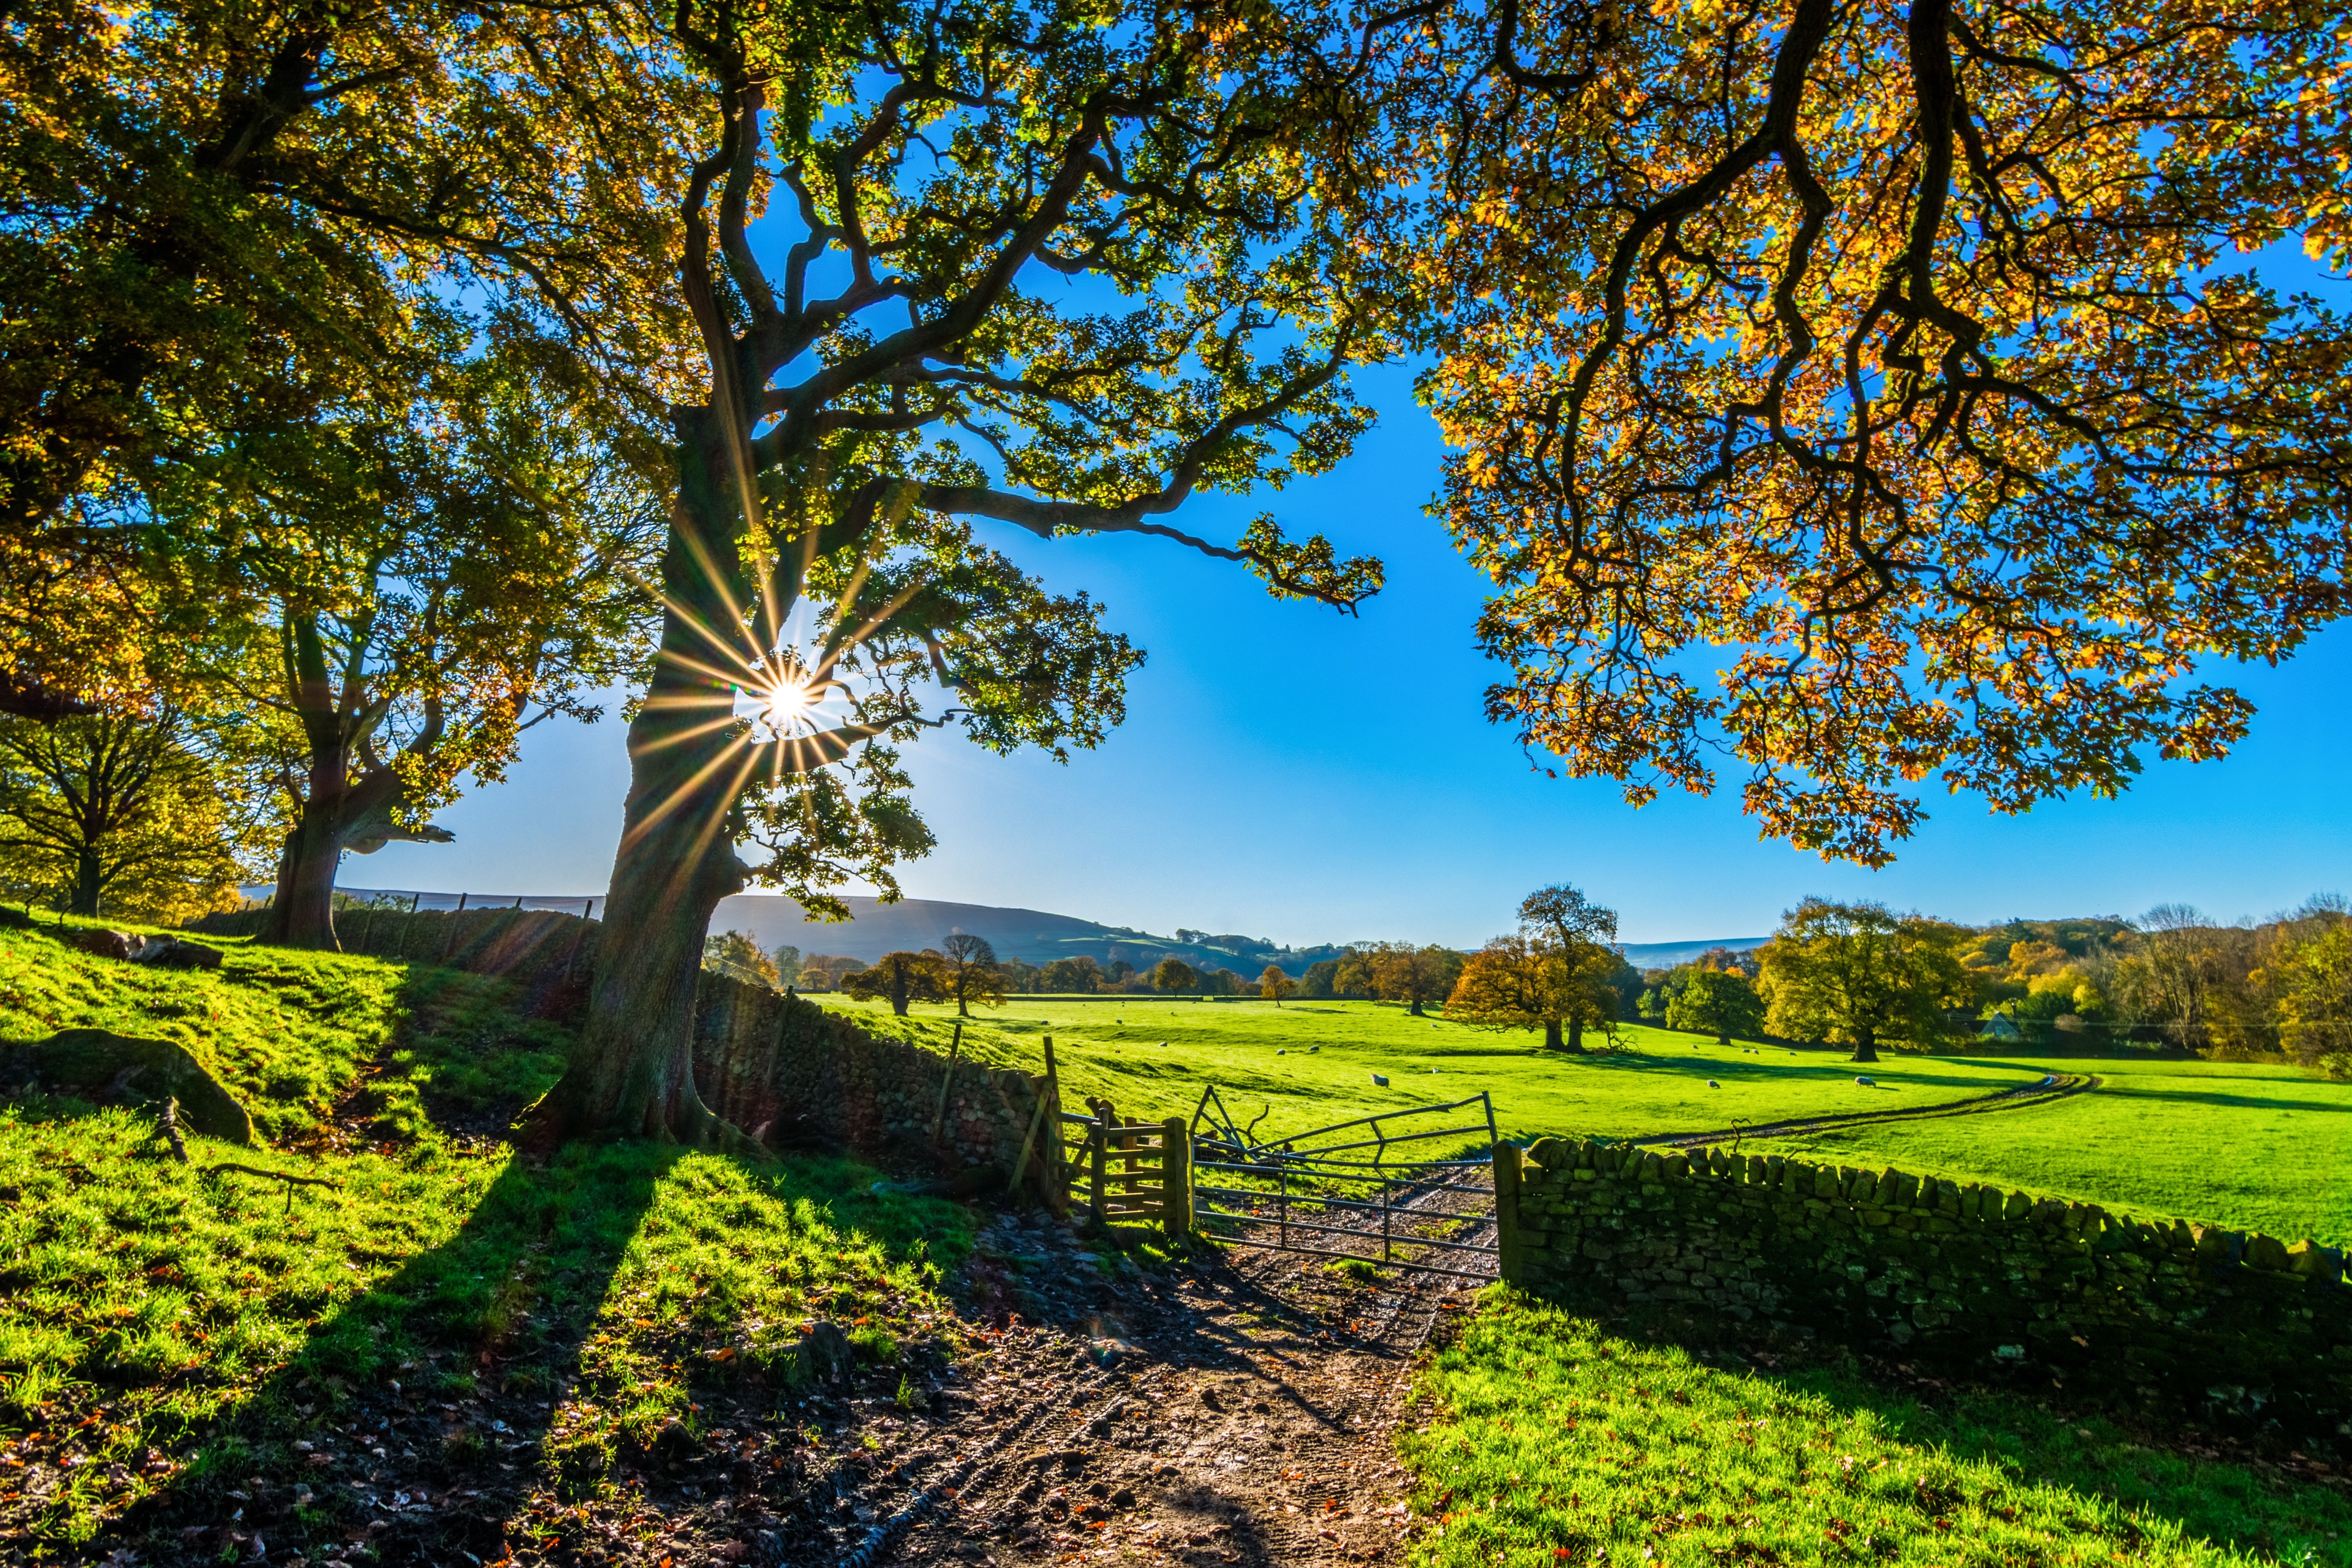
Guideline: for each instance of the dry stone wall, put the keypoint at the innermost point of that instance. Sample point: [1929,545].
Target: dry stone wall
[2174,1320]
[792,1074]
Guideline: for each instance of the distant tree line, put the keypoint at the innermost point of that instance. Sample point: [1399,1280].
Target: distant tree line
[1863,976]
[1856,975]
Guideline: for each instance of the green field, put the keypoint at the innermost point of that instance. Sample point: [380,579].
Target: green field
[2266,1148]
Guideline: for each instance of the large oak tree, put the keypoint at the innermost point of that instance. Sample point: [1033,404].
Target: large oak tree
[1035,266]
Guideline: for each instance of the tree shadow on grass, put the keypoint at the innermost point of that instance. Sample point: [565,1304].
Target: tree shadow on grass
[409,1420]
[1691,1429]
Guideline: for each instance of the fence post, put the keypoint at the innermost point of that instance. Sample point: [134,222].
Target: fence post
[450,945]
[1507,1212]
[1098,1160]
[586,911]
[1036,1120]
[947,1081]
[1176,1176]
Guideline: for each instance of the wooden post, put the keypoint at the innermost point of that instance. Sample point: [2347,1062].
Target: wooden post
[1098,1159]
[366,927]
[578,936]
[1176,1176]
[450,945]
[1037,1119]
[1507,1211]
[1054,1092]
[947,1081]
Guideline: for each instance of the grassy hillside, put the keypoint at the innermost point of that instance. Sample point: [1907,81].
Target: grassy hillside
[2262,1147]
[170,1329]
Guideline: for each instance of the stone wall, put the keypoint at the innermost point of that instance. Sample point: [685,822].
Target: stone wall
[2173,1319]
[795,1075]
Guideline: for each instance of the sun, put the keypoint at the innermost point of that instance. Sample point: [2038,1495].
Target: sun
[788,703]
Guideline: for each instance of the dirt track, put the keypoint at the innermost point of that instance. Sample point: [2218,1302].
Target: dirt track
[1238,1410]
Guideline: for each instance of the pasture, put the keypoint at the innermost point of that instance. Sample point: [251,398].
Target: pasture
[2262,1147]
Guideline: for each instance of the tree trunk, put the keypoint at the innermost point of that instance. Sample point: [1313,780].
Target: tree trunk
[633,1071]
[1866,1048]
[1416,1008]
[87,881]
[1551,1034]
[303,912]
[901,985]
[1575,1036]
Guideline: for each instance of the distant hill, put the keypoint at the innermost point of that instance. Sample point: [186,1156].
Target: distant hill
[1666,954]
[1034,936]
[876,928]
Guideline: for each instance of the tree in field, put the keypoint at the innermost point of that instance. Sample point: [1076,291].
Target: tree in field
[1715,1002]
[972,975]
[1584,935]
[1318,984]
[825,971]
[1172,973]
[786,958]
[1415,976]
[110,814]
[1354,975]
[1914,350]
[1020,975]
[226,222]
[902,978]
[1517,982]
[736,955]
[910,364]
[1858,974]
[1273,985]
[1080,975]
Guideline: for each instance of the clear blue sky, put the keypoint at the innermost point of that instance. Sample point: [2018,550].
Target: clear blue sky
[1289,772]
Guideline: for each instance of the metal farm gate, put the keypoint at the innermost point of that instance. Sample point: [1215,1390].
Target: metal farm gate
[1402,1190]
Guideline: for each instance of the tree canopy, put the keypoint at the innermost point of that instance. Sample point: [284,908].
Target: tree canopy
[972,973]
[1860,974]
[1912,352]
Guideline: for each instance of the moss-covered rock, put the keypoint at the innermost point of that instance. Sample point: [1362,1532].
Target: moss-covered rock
[102,1066]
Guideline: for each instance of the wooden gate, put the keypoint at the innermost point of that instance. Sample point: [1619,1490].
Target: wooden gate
[1122,1172]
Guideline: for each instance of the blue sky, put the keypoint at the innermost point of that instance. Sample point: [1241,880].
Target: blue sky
[1292,774]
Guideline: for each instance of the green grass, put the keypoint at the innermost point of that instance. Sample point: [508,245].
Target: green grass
[1113,1046]
[2260,1147]
[164,1327]
[2265,1148]
[1555,1442]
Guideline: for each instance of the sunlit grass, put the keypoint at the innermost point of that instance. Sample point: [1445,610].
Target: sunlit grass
[1552,1441]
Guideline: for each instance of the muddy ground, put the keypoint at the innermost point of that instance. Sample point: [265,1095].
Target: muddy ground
[1232,1407]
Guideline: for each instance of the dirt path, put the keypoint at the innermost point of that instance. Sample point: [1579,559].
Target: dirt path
[2049,1091]
[1236,1410]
